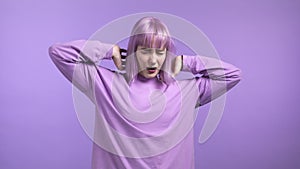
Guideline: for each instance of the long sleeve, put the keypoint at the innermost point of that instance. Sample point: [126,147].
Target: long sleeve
[215,78]
[77,61]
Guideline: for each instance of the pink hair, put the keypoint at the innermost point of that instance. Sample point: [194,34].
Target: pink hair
[152,33]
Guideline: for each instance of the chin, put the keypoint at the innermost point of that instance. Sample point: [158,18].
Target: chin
[152,76]
[147,75]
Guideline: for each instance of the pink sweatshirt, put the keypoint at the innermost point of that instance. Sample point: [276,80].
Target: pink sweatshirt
[147,124]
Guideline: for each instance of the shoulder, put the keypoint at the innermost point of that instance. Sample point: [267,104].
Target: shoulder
[106,74]
[187,82]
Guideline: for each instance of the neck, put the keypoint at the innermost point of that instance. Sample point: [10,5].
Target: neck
[144,79]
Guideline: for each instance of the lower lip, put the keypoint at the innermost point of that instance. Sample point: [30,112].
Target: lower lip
[151,71]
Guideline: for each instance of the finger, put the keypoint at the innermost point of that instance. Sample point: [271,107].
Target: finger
[123,56]
[123,50]
[121,65]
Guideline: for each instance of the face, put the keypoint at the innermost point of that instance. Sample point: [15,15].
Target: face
[150,60]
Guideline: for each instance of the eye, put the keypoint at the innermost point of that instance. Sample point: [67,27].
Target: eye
[145,51]
[160,52]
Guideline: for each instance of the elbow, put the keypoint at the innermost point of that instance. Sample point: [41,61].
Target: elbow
[53,48]
[53,51]
[239,74]
[236,77]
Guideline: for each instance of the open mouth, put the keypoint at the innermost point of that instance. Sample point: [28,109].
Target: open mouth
[151,69]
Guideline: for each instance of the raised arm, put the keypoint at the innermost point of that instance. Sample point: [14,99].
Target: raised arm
[215,78]
[77,61]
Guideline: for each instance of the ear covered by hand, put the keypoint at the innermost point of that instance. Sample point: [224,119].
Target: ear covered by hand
[177,64]
[118,58]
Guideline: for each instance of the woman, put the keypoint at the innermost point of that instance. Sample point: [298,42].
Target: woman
[132,132]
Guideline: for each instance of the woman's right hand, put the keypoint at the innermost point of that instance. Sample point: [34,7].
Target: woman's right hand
[117,57]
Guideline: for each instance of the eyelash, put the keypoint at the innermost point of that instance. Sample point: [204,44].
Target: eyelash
[147,52]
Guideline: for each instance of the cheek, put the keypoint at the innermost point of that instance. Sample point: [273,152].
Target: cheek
[141,60]
[162,60]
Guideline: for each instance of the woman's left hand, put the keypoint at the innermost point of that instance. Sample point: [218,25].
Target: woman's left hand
[176,65]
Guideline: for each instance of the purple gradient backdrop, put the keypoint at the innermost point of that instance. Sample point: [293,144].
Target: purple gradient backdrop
[261,122]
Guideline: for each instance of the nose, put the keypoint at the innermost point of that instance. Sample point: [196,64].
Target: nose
[152,59]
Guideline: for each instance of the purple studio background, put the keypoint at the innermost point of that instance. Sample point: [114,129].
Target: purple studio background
[261,122]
